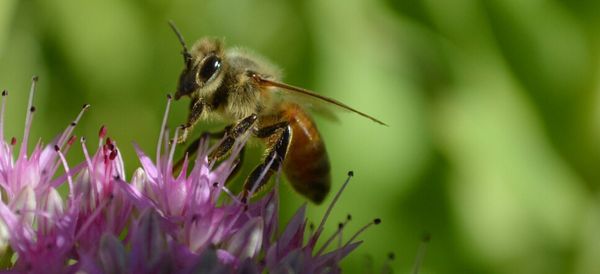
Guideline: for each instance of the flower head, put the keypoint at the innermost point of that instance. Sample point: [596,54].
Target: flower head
[40,224]
[104,206]
[157,221]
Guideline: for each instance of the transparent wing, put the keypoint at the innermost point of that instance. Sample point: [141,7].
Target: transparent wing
[312,104]
[321,104]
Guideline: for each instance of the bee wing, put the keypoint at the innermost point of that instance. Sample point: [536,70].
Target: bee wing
[314,100]
[312,104]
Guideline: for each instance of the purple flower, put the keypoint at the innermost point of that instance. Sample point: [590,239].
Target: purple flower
[104,207]
[191,210]
[37,223]
[156,222]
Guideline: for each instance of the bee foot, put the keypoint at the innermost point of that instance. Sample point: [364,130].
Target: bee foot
[181,138]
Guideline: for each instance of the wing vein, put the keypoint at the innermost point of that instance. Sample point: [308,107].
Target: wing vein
[271,83]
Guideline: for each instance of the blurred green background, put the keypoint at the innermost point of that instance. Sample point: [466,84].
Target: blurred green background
[494,110]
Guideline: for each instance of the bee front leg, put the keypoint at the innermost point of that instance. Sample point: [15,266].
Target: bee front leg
[191,150]
[272,162]
[196,108]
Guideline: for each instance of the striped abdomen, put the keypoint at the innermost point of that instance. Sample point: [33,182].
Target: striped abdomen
[306,163]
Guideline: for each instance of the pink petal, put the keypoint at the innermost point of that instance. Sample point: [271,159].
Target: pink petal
[112,254]
[146,162]
[52,204]
[148,242]
[24,204]
[292,237]
[225,257]
[138,198]
[246,243]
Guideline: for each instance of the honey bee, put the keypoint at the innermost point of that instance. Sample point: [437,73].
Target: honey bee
[245,90]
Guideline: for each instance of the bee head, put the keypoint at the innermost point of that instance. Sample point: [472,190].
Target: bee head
[202,74]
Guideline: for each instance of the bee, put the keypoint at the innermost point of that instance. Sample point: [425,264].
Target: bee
[245,90]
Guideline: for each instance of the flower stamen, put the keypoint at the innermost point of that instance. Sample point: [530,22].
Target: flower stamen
[360,231]
[67,171]
[4,94]
[28,117]
[337,233]
[319,230]
[163,126]
[421,253]
[61,141]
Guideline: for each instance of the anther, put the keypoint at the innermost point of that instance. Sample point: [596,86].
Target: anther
[215,184]
[56,148]
[71,140]
[73,124]
[4,92]
[349,217]
[85,106]
[13,141]
[32,109]
[35,78]
[169,96]
[102,132]
[340,225]
[377,221]
[351,173]
[83,139]
[113,154]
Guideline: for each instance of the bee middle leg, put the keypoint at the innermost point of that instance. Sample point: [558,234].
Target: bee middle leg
[228,137]
[193,148]
[231,135]
[274,159]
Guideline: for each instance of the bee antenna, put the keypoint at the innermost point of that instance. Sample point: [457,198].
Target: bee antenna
[187,57]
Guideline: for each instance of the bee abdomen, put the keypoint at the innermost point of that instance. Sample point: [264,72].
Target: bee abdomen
[306,163]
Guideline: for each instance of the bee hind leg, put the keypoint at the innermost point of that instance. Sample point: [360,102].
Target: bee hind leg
[273,161]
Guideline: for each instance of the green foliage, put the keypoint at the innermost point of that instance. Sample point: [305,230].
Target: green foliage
[493,107]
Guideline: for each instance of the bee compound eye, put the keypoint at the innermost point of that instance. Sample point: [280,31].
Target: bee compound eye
[210,66]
